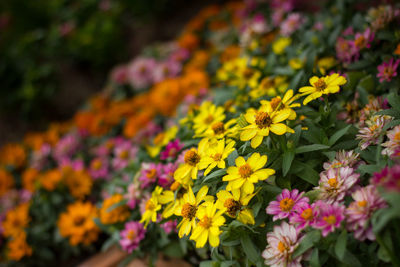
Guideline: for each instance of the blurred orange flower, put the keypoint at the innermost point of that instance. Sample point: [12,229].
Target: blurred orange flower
[6,181]
[13,154]
[16,220]
[118,214]
[50,179]
[29,178]
[18,247]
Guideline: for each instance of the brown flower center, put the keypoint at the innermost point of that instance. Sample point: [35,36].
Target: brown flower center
[307,214]
[360,42]
[320,85]
[275,103]
[248,73]
[174,186]
[218,128]
[245,171]
[96,165]
[188,211]
[192,158]
[131,234]
[158,139]
[263,120]
[209,119]
[124,154]
[217,157]
[232,206]
[79,220]
[205,222]
[286,204]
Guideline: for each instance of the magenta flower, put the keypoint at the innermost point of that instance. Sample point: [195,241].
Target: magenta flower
[66,147]
[171,150]
[40,157]
[99,168]
[131,236]
[167,69]
[304,215]
[140,72]
[286,203]
[389,178]
[345,50]
[181,54]
[366,202]
[387,70]
[133,195]
[76,164]
[330,217]
[364,40]
[149,174]
[119,74]
[291,24]
[123,152]
[282,242]
[167,175]
[335,183]
[169,226]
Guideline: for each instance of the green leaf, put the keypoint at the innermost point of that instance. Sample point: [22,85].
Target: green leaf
[314,259]
[340,246]
[305,172]
[367,83]
[249,249]
[214,174]
[370,169]
[394,101]
[336,136]
[232,157]
[288,157]
[173,250]
[207,264]
[308,242]
[309,148]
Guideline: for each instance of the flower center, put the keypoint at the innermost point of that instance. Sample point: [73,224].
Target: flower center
[281,247]
[79,220]
[362,203]
[205,222]
[248,73]
[360,42]
[267,83]
[331,219]
[397,136]
[150,205]
[307,214]
[286,204]
[172,152]
[232,206]
[245,171]
[188,211]
[275,103]
[151,174]
[96,165]
[131,234]
[218,128]
[388,71]
[217,157]
[124,154]
[192,158]
[263,120]
[209,119]
[320,85]
[333,182]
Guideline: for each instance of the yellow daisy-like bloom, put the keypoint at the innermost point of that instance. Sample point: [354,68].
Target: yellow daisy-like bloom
[246,173]
[168,198]
[209,114]
[151,208]
[279,45]
[322,86]
[188,210]
[207,229]
[278,104]
[220,130]
[215,155]
[234,203]
[296,63]
[270,87]
[190,168]
[325,64]
[161,140]
[263,121]
[248,77]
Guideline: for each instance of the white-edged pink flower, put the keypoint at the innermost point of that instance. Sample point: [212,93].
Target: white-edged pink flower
[285,204]
[140,72]
[394,141]
[123,153]
[344,159]
[282,242]
[370,134]
[292,23]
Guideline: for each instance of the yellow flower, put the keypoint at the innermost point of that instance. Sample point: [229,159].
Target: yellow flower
[168,197]
[234,203]
[209,115]
[220,130]
[248,77]
[296,63]
[277,103]
[279,45]
[263,121]
[325,64]
[151,208]
[246,173]
[188,210]
[269,86]
[215,155]
[207,229]
[190,168]
[161,140]
[322,86]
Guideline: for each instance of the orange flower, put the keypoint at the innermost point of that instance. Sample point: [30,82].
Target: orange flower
[16,220]
[192,82]
[29,178]
[138,121]
[99,102]
[165,96]
[13,154]
[108,215]
[397,51]
[18,247]
[231,52]
[6,181]
[189,41]
[34,140]
[77,223]
[83,119]
[199,61]
[50,179]
[79,183]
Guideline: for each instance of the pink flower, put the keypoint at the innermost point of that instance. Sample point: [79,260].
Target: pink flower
[330,217]
[181,54]
[140,72]
[99,168]
[169,226]
[149,174]
[366,202]
[389,178]
[371,133]
[345,50]
[167,69]
[387,70]
[335,183]
[394,141]
[344,159]
[66,147]
[76,164]
[131,236]
[40,157]
[119,75]
[363,40]
[291,24]
[304,215]
[171,150]
[167,175]
[282,242]
[123,152]
[286,203]
[285,5]
[66,28]
[133,195]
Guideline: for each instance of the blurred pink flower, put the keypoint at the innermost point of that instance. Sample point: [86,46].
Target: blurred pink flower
[131,236]
[387,70]
[140,72]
